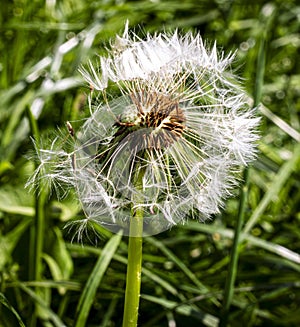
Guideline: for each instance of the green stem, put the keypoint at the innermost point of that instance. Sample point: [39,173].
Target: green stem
[37,230]
[39,236]
[232,270]
[134,267]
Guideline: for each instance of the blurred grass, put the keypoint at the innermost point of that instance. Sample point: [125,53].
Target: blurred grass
[42,43]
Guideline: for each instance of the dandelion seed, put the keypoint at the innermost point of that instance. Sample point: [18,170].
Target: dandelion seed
[181,119]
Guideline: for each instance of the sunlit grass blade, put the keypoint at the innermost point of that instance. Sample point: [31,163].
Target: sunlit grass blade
[90,289]
[288,129]
[274,188]
[147,272]
[171,256]
[184,309]
[9,141]
[279,250]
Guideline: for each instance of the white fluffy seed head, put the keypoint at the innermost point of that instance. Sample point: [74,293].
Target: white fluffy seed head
[182,120]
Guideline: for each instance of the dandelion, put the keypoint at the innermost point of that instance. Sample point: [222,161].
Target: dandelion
[182,121]
[169,147]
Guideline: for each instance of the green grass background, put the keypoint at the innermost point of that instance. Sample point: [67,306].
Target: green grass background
[47,278]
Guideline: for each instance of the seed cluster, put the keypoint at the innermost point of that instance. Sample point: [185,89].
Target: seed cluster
[159,121]
[170,145]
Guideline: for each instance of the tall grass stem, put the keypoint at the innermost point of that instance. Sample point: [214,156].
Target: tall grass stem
[37,230]
[233,264]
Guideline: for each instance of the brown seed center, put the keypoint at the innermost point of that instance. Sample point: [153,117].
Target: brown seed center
[157,123]
[161,115]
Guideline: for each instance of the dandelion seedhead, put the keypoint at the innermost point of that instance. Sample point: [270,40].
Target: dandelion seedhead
[174,140]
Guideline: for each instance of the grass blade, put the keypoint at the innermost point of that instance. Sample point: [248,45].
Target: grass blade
[279,180]
[4,301]
[177,261]
[88,294]
[185,310]
[57,322]
[233,264]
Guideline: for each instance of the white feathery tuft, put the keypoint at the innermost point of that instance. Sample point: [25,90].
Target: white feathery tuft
[182,120]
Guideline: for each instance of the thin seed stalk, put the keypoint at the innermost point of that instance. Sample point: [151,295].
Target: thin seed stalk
[134,266]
